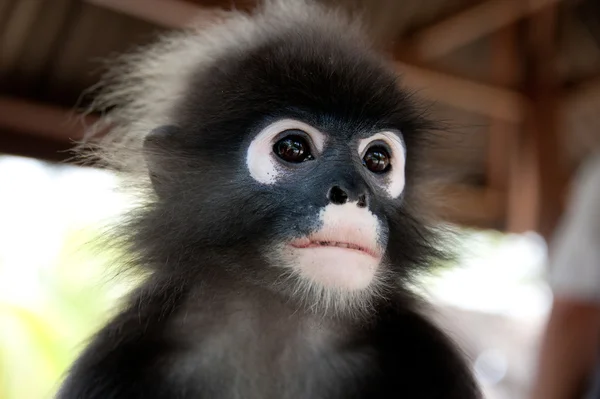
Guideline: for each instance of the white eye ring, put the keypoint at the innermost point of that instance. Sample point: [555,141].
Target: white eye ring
[260,159]
[394,180]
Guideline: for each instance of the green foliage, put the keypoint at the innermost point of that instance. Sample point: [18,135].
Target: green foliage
[49,313]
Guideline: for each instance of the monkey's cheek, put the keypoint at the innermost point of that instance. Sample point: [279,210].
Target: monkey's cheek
[335,268]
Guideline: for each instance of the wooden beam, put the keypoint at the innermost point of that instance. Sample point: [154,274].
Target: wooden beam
[467,205]
[583,93]
[168,13]
[35,147]
[580,109]
[41,120]
[469,25]
[477,97]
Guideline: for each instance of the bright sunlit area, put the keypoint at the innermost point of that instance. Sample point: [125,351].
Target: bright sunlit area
[57,286]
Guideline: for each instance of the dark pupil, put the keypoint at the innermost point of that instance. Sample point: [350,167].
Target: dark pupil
[377,160]
[292,149]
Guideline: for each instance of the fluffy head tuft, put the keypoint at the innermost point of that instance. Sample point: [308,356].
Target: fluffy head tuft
[142,89]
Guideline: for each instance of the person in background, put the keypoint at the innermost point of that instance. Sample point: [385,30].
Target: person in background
[568,366]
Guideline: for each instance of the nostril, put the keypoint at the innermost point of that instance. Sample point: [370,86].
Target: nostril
[362,201]
[337,196]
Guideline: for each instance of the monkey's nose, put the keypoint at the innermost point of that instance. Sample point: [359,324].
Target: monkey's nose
[362,201]
[339,196]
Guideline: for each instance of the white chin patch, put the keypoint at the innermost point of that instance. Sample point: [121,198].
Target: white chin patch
[343,254]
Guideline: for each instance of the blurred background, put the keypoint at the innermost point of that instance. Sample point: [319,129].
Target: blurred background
[517,81]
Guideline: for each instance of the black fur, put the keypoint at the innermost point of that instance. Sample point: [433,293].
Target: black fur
[212,320]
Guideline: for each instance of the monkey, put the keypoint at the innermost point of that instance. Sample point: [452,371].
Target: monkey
[276,156]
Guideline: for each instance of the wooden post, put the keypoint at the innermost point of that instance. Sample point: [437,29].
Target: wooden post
[502,135]
[538,172]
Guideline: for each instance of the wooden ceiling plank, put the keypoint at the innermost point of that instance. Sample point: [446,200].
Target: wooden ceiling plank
[469,25]
[459,92]
[172,13]
[5,12]
[35,147]
[16,32]
[46,121]
[40,44]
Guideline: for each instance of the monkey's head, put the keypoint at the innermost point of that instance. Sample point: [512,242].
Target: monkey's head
[288,160]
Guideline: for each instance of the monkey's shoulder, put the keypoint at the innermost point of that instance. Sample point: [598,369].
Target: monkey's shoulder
[414,356]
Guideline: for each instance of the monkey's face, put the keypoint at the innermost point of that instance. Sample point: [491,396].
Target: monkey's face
[296,159]
[336,183]
[306,206]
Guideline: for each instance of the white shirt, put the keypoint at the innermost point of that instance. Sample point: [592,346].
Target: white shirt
[575,251]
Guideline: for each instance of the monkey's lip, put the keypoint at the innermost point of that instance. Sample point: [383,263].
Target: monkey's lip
[306,242]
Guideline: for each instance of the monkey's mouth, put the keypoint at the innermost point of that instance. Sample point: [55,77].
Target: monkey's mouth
[304,243]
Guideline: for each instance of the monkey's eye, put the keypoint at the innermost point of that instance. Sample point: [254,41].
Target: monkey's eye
[293,148]
[377,159]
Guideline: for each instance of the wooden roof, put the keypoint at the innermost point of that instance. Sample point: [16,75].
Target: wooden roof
[518,81]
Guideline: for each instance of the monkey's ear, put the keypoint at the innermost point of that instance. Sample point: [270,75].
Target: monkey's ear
[159,147]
